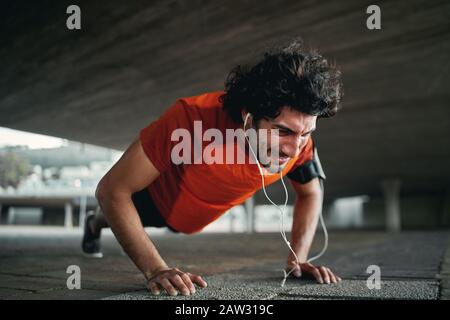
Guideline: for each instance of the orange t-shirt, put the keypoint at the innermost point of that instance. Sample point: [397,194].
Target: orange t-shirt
[191,196]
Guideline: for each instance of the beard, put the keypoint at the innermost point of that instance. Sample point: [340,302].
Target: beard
[274,166]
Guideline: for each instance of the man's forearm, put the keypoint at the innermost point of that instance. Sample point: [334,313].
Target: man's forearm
[306,213]
[124,221]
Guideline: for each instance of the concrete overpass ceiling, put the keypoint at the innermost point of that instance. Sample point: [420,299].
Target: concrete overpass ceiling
[128,63]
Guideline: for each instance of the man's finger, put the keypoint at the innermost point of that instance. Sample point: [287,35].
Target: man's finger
[312,270]
[188,282]
[316,273]
[180,285]
[154,288]
[296,272]
[325,275]
[165,283]
[197,280]
[332,276]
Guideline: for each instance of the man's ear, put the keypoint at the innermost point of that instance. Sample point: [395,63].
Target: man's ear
[246,116]
[243,115]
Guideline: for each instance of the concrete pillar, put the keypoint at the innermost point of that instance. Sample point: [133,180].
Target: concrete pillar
[231,220]
[391,193]
[68,219]
[250,210]
[83,205]
[11,215]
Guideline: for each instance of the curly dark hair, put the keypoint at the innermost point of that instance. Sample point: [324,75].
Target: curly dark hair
[287,75]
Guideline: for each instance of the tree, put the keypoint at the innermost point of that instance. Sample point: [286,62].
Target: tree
[13,169]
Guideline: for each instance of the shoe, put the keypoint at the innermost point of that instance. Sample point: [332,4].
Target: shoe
[91,242]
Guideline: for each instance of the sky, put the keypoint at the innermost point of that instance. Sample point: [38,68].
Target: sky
[10,137]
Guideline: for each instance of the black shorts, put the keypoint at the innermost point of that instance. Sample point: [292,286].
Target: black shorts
[149,214]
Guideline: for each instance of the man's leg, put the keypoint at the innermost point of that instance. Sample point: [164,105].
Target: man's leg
[93,224]
[97,222]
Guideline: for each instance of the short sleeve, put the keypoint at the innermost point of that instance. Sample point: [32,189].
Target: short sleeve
[156,137]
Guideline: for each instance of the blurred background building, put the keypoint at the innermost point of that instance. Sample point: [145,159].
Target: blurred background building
[50,186]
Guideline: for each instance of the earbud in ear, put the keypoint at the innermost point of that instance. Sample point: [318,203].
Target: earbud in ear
[246,119]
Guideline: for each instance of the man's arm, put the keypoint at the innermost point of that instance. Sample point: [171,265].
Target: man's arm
[132,173]
[308,206]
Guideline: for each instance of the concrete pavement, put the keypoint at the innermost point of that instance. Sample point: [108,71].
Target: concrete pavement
[414,265]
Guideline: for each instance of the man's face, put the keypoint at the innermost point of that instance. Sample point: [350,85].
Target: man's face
[294,129]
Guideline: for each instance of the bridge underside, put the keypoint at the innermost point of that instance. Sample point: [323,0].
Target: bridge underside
[103,83]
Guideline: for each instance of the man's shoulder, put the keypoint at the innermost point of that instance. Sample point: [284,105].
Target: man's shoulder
[207,108]
[206,100]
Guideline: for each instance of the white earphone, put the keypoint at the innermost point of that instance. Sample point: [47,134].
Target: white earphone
[282,211]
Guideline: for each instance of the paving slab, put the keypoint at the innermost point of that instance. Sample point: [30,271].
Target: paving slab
[235,286]
[236,266]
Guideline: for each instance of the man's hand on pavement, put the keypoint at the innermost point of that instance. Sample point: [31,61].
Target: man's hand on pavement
[321,274]
[173,280]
